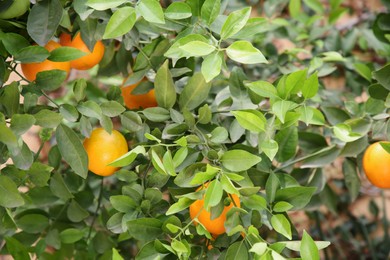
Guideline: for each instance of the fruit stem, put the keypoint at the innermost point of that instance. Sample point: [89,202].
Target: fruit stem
[97,209]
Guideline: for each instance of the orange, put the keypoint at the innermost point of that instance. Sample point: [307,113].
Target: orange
[90,59]
[214,226]
[30,70]
[138,101]
[376,165]
[103,148]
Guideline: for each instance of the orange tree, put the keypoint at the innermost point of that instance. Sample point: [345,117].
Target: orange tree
[253,121]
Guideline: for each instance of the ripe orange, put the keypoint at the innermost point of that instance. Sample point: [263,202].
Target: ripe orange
[376,165]
[138,101]
[30,70]
[103,148]
[214,226]
[90,59]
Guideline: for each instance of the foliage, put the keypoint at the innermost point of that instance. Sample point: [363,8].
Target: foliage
[233,110]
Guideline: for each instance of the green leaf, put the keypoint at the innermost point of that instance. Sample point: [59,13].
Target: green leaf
[287,140]
[112,108]
[281,225]
[50,79]
[90,109]
[22,157]
[237,250]
[345,134]
[259,248]
[176,52]
[299,197]
[156,114]
[39,174]
[382,76]
[168,163]
[178,10]
[213,194]
[210,10]
[363,70]
[227,185]
[102,5]
[180,205]
[308,247]
[123,203]
[131,121]
[204,114]
[14,42]
[255,202]
[65,53]
[59,188]
[128,157]
[7,136]
[235,22]
[43,20]
[351,177]
[47,118]
[69,112]
[244,52]
[9,194]
[281,107]
[32,223]
[195,92]
[9,99]
[211,66]
[145,229]
[79,89]
[151,11]
[75,212]
[251,120]
[315,5]
[197,48]
[310,87]
[16,249]
[294,7]
[269,147]
[282,206]
[120,23]
[71,235]
[219,135]
[239,160]
[165,87]
[263,89]
[72,150]
[21,123]
[31,54]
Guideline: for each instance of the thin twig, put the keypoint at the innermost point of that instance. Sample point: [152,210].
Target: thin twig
[97,209]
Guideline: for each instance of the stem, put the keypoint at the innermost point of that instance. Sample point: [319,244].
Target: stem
[305,157]
[97,209]
[39,151]
[50,99]
[13,68]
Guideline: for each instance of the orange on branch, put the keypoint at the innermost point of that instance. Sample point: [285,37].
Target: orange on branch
[103,148]
[133,101]
[30,70]
[214,226]
[376,165]
[90,59]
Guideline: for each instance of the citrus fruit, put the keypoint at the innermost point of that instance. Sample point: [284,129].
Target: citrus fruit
[90,59]
[376,165]
[103,148]
[16,9]
[30,70]
[214,226]
[133,101]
